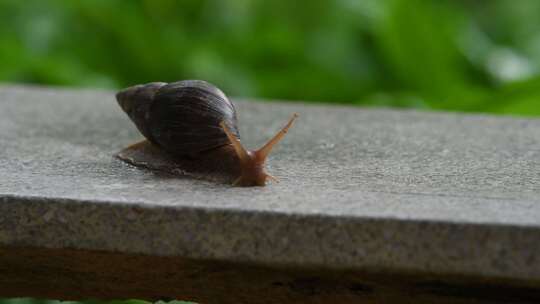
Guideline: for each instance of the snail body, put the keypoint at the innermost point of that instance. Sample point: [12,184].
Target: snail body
[192,125]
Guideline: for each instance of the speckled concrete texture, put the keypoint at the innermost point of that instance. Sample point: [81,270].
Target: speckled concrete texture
[366,189]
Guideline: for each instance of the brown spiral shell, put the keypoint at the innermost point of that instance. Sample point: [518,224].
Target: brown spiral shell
[180,117]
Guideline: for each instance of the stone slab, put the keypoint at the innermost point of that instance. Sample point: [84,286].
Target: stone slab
[366,189]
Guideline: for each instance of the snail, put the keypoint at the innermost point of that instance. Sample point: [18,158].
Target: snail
[190,128]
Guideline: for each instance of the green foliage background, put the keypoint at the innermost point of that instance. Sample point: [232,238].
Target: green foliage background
[443,54]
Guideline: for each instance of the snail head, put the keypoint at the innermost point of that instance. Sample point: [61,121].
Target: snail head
[252,162]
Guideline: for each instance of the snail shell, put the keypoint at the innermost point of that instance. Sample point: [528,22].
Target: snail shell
[181,117]
[191,128]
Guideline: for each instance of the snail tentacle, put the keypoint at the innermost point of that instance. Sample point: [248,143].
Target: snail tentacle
[273,178]
[263,152]
[240,150]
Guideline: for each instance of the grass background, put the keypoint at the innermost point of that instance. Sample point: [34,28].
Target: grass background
[462,55]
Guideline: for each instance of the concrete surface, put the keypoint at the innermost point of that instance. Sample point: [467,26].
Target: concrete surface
[366,189]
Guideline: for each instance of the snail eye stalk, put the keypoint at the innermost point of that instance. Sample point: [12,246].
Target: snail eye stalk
[264,151]
[240,150]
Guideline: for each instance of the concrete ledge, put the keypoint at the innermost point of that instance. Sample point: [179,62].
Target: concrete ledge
[364,190]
